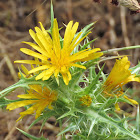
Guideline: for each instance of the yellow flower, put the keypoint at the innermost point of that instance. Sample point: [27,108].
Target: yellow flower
[55,59]
[25,72]
[37,97]
[86,100]
[119,76]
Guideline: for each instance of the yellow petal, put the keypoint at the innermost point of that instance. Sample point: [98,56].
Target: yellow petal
[18,104]
[82,55]
[69,34]
[20,118]
[34,36]
[56,40]
[79,66]
[34,54]
[131,100]
[63,69]
[73,45]
[29,62]
[56,72]
[29,96]
[67,51]
[25,70]
[50,107]
[47,36]
[69,75]
[46,73]
[42,74]
[65,78]
[42,27]
[92,56]
[119,75]
[74,29]
[29,111]
[39,68]
[46,43]
[36,47]
[131,78]
[46,77]
[37,88]
[41,106]
[117,107]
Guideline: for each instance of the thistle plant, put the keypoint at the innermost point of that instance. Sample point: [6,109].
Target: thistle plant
[52,85]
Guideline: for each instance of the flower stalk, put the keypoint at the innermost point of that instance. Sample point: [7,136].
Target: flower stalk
[120,49]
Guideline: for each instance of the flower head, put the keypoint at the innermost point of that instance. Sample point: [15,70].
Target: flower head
[37,97]
[119,76]
[54,57]
[86,99]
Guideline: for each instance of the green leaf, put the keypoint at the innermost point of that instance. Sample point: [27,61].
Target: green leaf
[44,117]
[20,83]
[138,121]
[136,69]
[35,121]
[70,113]
[70,128]
[52,16]
[4,102]
[31,136]
[87,29]
[103,117]
[94,82]
[84,31]
[87,44]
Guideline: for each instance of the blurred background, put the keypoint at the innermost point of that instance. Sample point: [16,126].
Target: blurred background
[115,28]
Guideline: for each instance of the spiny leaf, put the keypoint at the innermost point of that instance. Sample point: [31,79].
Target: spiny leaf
[136,69]
[102,117]
[31,136]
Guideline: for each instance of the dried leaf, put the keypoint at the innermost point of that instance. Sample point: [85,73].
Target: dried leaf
[133,5]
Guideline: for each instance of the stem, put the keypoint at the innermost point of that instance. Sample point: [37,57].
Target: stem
[121,49]
[76,79]
[9,89]
[21,83]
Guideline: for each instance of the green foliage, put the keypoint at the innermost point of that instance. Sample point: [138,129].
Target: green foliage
[31,136]
[136,69]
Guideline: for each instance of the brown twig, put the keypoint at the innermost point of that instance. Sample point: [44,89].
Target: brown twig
[9,63]
[9,136]
[124,26]
[69,8]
